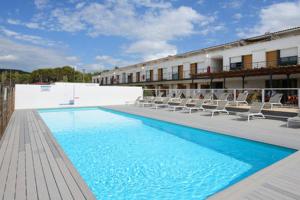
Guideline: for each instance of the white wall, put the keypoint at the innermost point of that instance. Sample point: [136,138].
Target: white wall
[60,94]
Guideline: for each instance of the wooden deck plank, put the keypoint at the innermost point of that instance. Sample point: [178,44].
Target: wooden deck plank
[10,188]
[59,179]
[50,180]
[21,177]
[6,161]
[31,188]
[80,184]
[41,186]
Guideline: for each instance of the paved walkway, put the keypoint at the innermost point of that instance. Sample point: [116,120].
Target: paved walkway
[279,181]
[33,166]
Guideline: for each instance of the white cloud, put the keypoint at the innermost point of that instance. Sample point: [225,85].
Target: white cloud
[232,4]
[29,57]
[40,4]
[152,49]
[108,61]
[73,59]
[237,16]
[28,38]
[8,58]
[275,17]
[158,25]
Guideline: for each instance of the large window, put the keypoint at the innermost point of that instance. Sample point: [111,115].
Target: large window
[165,73]
[288,56]
[175,73]
[148,75]
[236,63]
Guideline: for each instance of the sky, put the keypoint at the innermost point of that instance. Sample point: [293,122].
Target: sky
[95,35]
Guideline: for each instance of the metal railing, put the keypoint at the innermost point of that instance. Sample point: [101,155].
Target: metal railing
[7,105]
[290,96]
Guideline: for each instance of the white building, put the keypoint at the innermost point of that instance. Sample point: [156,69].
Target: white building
[270,60]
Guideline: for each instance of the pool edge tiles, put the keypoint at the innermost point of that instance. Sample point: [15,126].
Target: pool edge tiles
[176,126]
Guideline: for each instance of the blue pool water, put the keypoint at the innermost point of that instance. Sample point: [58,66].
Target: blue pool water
[122,156]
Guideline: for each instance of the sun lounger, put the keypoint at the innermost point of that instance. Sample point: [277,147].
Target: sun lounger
[148,102]
[181,105]
[254,111]
[222,97]
[294,120]
[242,98]
[197,106]
[221,108]
[162,104]
[137,101]
[207,98]
[275,100]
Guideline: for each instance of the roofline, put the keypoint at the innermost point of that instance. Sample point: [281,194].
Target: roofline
[203,50]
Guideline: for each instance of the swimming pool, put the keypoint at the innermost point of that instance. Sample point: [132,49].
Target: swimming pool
[123,156]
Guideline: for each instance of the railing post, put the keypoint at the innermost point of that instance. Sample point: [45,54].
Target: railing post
[263,95]
[234,95]
[298,98]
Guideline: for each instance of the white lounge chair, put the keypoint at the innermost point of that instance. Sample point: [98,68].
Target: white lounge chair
[207,98]
[197,106]
[254,111]
[242,98]
[222,97]
[275,100]
[162,104]
[148,102]
[221,108]
[294,120]
[181,105]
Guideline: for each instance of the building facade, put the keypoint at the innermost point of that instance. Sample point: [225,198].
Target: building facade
[271,60]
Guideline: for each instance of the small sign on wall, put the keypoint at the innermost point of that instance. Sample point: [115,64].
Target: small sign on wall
[45,88]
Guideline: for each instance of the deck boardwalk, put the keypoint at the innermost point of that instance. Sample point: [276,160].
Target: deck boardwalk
[32,164]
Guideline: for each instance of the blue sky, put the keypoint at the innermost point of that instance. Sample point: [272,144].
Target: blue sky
[96,35]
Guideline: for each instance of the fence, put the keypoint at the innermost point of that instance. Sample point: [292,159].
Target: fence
[290,98]
[7,101]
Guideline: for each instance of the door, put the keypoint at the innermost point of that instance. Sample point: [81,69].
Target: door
[247,60]
[180,72]
[159,74]
[193,68]
[151,75]
[138,76]
[272,59]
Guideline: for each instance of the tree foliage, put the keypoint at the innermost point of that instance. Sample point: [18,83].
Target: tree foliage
[45,75]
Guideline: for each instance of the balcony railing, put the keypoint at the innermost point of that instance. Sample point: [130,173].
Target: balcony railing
[168,76]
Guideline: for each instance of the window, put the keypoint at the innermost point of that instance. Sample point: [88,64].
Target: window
[148,77]
[236,63]
[175,72]
[165,73]
[288,56]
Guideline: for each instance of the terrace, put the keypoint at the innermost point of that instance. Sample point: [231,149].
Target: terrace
[35,166]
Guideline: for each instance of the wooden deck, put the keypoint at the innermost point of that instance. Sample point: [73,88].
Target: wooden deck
[33,166]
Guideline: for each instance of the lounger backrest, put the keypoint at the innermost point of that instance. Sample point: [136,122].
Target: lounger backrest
[242,96]
[224,96]
[207,96]
[299,113]
[178,95]
[276,98]
[199,103]
[166,100]
[221,105]
[183,102]
[256,107]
